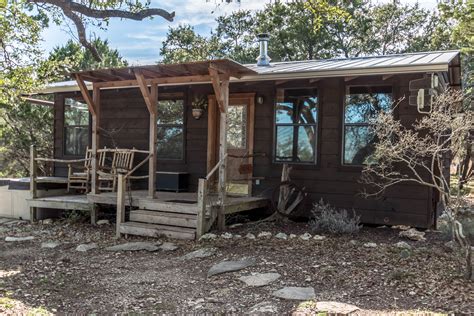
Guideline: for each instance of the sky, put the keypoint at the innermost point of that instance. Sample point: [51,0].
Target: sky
[140,41]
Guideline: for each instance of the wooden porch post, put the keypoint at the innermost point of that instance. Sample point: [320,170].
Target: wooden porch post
[93,104]
[151,98]
[152,143]
[221,89]
[95,140]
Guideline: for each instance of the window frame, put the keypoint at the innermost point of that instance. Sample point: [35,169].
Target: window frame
[163,96]
[343,165]
[316,146]
[64,126]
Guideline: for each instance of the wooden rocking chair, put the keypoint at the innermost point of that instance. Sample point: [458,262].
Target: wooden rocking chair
[122,162]
[79,177]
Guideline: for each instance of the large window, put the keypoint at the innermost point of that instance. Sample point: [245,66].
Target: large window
[296,119]
[170,129]
[362,104]
[76,127]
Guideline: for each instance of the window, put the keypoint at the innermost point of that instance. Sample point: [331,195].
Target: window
[237,127]
[296,117]
[170,129]
[362,104]
[76,127]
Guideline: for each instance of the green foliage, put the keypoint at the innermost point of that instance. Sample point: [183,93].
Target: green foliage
[74,57]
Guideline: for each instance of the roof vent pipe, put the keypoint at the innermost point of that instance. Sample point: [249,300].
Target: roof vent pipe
[263,59]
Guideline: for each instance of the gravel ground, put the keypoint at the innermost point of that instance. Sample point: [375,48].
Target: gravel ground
[383,279]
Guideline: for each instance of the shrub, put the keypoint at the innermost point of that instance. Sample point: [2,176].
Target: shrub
[327,219]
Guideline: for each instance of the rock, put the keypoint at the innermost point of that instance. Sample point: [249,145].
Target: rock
[86,247]
[168,246]
[306,236]
[353,242]
[295,293]
[405,253]
[226,236]
[236,225]
[451,245]
[50,244]
[250,236]
[402,245]
[264,235]
[47,221]
[335,308]
[208,236]
[319,237]
[370,245]
[401,227]
[103,222]
[200,253]
[281,236]
[237,236]
[134,246]
[16,239]
[263,307]
[230,266]
[292,236]
[260,279]
[413,234]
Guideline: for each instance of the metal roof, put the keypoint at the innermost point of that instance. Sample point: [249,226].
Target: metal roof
[359,66]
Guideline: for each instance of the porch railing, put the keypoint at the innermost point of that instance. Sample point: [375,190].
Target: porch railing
[205,219]
[122,178]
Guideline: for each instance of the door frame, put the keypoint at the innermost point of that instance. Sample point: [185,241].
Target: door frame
[213,129]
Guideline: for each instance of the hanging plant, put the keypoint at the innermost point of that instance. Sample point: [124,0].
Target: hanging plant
[199,104]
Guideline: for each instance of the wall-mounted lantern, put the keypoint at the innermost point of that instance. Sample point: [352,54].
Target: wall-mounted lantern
[199,105]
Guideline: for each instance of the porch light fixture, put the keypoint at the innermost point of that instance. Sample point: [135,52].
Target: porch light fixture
[260,99]
[199,104]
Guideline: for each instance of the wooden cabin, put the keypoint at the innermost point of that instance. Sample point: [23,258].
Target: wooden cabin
[295,113]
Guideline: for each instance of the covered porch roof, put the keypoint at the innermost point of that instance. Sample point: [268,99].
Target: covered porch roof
[192,72]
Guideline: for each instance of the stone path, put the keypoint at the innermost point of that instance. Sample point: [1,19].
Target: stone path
[230,266]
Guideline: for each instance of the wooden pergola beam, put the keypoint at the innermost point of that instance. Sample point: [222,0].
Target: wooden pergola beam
[159,81]
[85,94]
[142,84]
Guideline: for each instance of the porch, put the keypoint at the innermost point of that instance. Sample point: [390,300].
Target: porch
[170,214]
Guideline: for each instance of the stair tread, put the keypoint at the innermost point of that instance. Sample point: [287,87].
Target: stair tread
[164,214]
[159,227]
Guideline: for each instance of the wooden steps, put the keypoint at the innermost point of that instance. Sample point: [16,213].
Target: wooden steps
[164,218]
[155,230]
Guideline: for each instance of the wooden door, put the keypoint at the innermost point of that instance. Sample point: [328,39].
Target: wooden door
[240,138]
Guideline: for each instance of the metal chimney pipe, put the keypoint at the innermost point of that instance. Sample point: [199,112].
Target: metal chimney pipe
[263,59]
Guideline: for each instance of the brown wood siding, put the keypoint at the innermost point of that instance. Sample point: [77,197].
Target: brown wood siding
[327,179]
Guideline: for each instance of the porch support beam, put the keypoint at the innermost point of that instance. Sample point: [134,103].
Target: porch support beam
[95,139]
[151,99]
[85,94]
[159,81]
[221,90]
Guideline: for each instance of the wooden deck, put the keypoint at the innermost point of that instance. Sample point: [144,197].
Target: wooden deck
[171,214]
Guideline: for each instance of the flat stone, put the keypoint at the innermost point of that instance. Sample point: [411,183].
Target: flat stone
[263,307]
[51,244]
[412,234]
[260,279]
[208,236]
[200,253]
[295,293]
[402,245]
[226,236]
[306,236]
[237,236]
[353,242]
[168,246]
[236,225]
[86,247]
[401,227]
[281,236]
[230,266]
[17,239]
[319,237]
[370,245]
[101,222]
[292,236]
[264,235]
[47,221]
[135,246]
[335,308]
[250,236]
